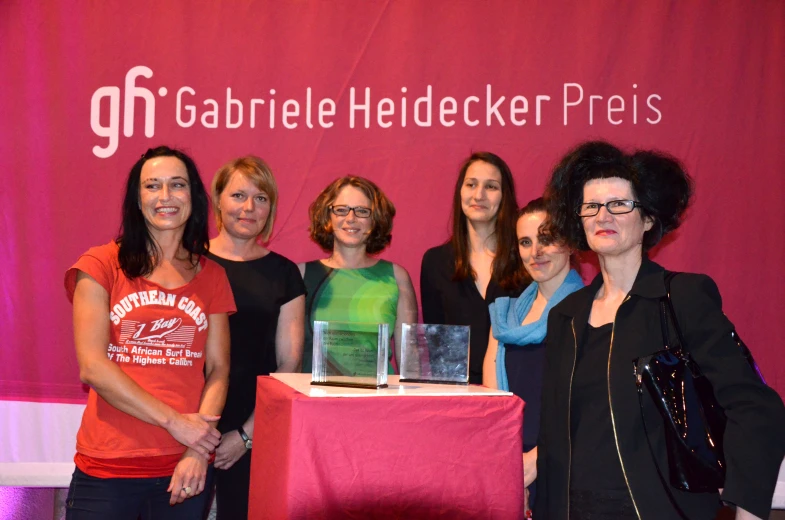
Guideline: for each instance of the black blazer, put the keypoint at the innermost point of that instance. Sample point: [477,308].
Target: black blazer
[755,433]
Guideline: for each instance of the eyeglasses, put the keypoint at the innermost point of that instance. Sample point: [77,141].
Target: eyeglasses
[614,207]
[343,211]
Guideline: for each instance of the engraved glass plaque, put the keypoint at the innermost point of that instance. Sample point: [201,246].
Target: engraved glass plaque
[435,353]
[350,354]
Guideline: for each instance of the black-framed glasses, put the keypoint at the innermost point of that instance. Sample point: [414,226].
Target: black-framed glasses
[343,211]
[614,207]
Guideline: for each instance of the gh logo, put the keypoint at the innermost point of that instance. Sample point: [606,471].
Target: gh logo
[112,131]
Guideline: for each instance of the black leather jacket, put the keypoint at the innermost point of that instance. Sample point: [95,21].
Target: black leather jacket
[755,433]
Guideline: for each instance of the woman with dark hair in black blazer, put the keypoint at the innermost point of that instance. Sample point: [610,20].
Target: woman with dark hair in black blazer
[480,262]
[595,460]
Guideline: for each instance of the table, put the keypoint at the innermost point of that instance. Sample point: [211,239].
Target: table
[38,451]
[408,451]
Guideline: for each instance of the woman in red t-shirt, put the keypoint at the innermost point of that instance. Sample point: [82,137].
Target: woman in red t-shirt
[152,341]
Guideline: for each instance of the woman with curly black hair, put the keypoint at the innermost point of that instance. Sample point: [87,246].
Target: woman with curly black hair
[352,219]
[595,458]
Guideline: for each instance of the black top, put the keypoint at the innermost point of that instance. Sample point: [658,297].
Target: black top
[315,275]
[261,287]
[754,435]
[449,302]
[525,365]
[595,463]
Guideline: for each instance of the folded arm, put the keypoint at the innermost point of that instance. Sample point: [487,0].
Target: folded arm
[91,337]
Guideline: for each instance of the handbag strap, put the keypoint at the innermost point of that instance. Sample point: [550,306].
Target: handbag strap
[666,340]
[743,349]
[669,276]
[665,305]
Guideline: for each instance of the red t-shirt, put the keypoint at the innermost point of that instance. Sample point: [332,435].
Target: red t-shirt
[157,337]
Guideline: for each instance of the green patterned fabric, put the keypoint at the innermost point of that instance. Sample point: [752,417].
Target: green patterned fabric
[365,295]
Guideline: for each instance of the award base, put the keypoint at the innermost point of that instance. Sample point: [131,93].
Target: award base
[432,381]
[347,384]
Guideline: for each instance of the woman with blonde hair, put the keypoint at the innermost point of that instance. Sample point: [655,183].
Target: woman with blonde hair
[267,330]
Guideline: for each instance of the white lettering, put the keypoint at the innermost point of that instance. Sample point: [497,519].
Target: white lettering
[514,110]
[382,112]
[591,108]
[470,122]
[427,99]
[566,98]
[118,310]
[308,108]
[210,114]
[353,106]
[255,102]
[654,109]
[611,109]
[445,111]
[272,109]
[189,108]
[492,109]
[113,130]
[325,112]
[131,93]
[538,100]
[293,112]
[229,103]
[403,108]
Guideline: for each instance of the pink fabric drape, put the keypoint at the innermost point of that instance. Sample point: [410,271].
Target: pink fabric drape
[702,80]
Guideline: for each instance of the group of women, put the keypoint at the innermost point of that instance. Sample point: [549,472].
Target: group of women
[170,411]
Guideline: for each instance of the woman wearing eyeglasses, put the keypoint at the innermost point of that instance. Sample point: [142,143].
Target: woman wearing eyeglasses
[595,457]
[352,220]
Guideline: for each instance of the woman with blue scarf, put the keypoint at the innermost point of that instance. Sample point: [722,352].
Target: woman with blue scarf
[515,359]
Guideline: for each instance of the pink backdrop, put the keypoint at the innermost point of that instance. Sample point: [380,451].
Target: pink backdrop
[87,87]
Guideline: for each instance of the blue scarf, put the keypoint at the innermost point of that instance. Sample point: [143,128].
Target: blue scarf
[507,314]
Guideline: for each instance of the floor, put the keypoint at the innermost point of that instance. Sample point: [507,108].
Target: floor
[48,503]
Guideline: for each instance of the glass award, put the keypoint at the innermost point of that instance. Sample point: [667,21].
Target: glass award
[435,353]
[350,354]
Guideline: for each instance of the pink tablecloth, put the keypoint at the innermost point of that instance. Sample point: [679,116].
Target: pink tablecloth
[385,457]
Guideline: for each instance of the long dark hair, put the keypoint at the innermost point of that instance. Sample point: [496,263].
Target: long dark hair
[507,270]
[139,253]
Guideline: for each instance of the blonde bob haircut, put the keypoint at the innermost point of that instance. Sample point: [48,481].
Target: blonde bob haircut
[259,173]
[382,213]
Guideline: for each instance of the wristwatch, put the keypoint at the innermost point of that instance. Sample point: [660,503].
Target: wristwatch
[247,440]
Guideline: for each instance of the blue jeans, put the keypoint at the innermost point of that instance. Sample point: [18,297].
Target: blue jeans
[92,498]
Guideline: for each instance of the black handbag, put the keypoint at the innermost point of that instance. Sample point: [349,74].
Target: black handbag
[694,420]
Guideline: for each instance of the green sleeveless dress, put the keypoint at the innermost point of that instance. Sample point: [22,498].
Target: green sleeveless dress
[365,295]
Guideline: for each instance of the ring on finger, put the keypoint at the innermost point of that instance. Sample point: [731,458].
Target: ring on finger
[187,490]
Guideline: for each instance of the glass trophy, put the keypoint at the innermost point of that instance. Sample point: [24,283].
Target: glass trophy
[435,353]
[350,354]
